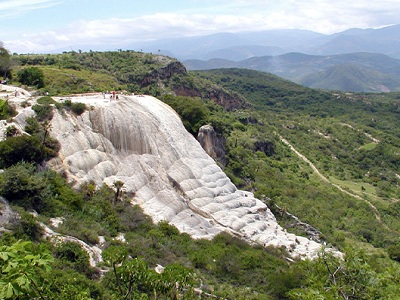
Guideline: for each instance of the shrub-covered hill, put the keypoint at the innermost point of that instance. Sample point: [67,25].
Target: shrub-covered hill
[137,72]
[351,139]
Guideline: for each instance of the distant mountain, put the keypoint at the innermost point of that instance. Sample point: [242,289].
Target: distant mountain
[384,40]
[195,47]
[303,56]
[238,53]
[353,78]
[215,63]
[368,72]
[239,46]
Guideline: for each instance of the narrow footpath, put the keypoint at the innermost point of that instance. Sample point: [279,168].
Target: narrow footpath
[305,159]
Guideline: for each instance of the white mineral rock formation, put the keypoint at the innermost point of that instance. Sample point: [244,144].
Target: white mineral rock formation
[141,141]
[94,252]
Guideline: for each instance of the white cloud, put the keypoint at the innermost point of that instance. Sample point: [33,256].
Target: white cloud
[318,15]
[10,8]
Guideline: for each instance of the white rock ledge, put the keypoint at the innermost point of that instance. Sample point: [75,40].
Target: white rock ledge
[142,142]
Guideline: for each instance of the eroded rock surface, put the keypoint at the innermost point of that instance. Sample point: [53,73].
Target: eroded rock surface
[141,141]
[212,143]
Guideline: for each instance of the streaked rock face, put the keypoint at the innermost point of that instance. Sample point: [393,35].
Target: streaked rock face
[212,143]
[141,141]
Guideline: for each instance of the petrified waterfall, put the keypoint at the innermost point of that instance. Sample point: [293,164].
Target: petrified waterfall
[141,141]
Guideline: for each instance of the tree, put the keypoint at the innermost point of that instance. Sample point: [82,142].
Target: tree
[23,268]
[192,111]
[21,148]
[133,279]
[72,256]
[330,277]
[32,76]
[394,252]
[6,110]
[118,190]
[21,185]
[5,61]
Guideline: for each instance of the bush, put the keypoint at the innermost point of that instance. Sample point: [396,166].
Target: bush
[76,107]
[32,76]
[43,112]
[6,110]
[46,100]
[32,126]
[24,269]
[394,252]
[21,148]
[21,186]
[11,131]
[68,284]
[27,227]
[192,111]
[72,256]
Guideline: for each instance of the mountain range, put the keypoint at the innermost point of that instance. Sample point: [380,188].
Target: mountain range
[355,72]
[357,60]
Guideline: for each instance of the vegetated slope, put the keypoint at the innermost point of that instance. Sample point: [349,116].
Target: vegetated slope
[376,72]
[351,78]
[137,72]
[129,70]
[351,139]
[343,135]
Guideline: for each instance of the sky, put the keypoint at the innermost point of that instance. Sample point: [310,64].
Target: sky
[54,26]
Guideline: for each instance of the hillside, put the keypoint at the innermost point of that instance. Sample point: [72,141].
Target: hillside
[353,78]
[351,139]
[354,72]
[326,164]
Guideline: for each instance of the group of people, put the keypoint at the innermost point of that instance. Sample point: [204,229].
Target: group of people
[113,95]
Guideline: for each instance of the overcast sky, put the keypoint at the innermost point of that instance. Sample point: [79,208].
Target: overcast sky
[44,26]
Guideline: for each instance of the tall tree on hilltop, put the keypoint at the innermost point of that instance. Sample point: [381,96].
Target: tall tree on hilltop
[6,62]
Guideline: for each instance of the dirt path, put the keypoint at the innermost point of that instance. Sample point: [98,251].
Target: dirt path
[373,207]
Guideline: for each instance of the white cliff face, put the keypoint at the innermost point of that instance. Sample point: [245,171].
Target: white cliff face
[141,141]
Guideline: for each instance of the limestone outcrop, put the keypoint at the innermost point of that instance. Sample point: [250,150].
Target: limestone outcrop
[141,141]
[212,143]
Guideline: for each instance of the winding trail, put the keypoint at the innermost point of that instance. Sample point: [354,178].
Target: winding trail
[305,159]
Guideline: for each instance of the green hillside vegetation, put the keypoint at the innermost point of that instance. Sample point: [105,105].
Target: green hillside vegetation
[334,131]
[352,139]
[352,72]
[351,78]
[75,72]
[6,110]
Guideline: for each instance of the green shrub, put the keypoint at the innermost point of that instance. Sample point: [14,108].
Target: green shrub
[11,131]
[394,252]
[76,107]
[32,76]
[167,229]
[67,284]
[21,186]
[43,112]
[27,227]
[72,256]
[46,100]
[192,111]
[24,268]
[6,110]
[32,126]
[21,148]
